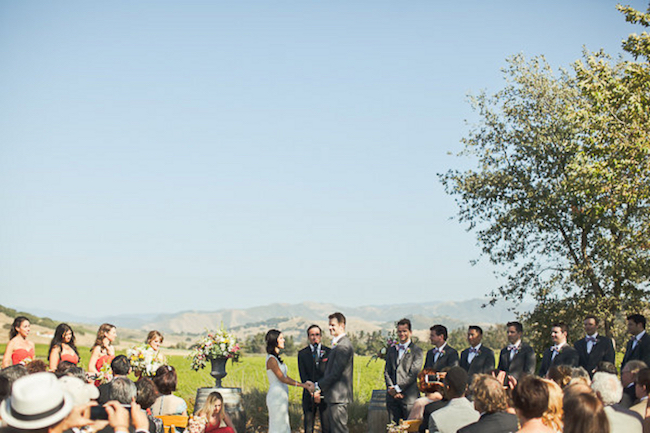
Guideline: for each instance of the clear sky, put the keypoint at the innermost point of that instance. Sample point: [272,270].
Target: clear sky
[158,156]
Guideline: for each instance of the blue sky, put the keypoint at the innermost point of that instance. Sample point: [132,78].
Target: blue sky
[164,156]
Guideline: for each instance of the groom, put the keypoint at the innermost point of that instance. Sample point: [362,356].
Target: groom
[336,384]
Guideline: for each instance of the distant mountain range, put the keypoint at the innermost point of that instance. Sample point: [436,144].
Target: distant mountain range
[295,318]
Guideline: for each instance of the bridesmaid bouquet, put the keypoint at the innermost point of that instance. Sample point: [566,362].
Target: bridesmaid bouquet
[144,360]
[219,344]
[105,374]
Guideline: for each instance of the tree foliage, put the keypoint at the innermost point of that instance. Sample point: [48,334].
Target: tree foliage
[560,196]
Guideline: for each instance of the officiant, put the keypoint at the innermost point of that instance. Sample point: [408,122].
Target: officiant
[311,364]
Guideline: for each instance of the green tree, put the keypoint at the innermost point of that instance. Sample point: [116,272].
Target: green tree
[561,193]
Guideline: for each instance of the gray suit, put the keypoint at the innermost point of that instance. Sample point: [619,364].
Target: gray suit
[458,413]
[404,373]
[336,384]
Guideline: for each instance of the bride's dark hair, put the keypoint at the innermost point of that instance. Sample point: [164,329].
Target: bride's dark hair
[272,343]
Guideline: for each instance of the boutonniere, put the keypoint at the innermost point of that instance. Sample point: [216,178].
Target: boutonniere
[322,353]
[324,360]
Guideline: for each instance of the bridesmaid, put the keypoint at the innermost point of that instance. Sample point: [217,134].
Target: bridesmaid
[103,350]
[154,341]
[19,349]
[62,347]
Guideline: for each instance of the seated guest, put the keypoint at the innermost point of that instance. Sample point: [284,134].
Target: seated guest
[122,389]
[561,353]
[432,390]
[607,367]
[19,350]
[517,358]
[610,390]
[552,416]
[584,413]
[560,374]
[432,407]
[121,368]
[642,386]
[628,379]
[459,412]
[477,358]
[212,417]
[442,355]
[146,396]
[580,375]
[36,366]
[7,378]
[62,347]
[530,399]
[167,403]
[491,402]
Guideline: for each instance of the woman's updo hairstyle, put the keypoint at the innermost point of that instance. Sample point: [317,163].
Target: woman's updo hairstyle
[272,343]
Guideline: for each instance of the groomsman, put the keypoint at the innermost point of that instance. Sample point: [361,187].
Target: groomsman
[560,353]
[517,358]
[476,358]
[311,364]
[442,355]
[403,363]
[639,346]
[594,348]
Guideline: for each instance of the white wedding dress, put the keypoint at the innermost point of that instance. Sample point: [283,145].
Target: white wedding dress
[277,400]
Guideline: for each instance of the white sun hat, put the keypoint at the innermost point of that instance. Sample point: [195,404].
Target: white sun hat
[81,392]
[36,401]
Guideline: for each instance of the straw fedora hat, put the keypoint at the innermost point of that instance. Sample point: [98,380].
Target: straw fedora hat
[36,401]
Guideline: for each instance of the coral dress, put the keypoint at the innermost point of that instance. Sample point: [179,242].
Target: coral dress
[70,358]
[105,359]
[20,355]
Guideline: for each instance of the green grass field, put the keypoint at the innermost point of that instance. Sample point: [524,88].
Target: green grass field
[250,375]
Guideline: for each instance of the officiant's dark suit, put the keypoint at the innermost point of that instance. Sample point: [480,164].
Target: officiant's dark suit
[567,356]
[311,365]
[447,355]
[483,362]
[403,373]
[336,384]
[602,350]
[523,361]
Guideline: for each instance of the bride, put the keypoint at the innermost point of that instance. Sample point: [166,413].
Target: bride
[277,399]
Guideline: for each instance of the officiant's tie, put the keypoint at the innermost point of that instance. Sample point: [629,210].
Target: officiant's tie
[314,353]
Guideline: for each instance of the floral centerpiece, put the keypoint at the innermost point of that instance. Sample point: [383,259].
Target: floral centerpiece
[390,341]
[145,360]
[219,344]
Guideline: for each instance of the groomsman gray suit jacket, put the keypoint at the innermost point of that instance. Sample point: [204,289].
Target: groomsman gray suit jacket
[336,384]
[404,372]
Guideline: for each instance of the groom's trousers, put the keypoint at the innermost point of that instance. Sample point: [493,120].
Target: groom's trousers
[338,417]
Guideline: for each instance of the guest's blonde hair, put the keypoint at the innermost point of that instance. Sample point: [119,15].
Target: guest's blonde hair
[489,395]
[208,407]
[552,417]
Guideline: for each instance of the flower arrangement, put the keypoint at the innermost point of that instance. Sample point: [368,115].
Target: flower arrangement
[390,341]
[196,424]
[219,344]
[144,360]
[105,374]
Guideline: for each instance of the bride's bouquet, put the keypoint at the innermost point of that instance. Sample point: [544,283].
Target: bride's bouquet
[219,344]
[144,360]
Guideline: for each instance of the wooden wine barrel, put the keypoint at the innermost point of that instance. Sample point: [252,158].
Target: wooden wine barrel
[232,400]
[377,412]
